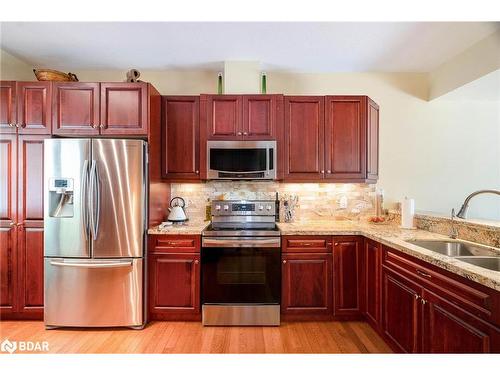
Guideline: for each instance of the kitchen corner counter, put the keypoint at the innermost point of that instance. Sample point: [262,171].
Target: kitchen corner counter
[190,227]
[395,237]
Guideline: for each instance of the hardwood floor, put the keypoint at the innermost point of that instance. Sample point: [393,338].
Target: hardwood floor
[192,337]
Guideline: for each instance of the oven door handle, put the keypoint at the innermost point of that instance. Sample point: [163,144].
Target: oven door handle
[241,242]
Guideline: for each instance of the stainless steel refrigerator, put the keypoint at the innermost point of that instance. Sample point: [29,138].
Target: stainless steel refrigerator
[95,216]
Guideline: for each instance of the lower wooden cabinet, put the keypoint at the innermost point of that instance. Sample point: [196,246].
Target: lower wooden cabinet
[8,272]
[347,277]
[419,316]
[174,278]
[372,276]
[446,328]
[401,312]
[306,286]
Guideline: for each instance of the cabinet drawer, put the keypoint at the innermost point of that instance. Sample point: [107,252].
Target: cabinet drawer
[307,244]
[163,243]
[479,300]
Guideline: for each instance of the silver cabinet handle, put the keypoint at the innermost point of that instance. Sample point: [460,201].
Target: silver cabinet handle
[322,171]
[92,264]
[12,224]
[284,261]
[95,126]
[245,133]
[424,274]
[328,171]
[416,297]
[12,125]
[423,301]
[197,172]
[196,261]
[101,126]
[239,133]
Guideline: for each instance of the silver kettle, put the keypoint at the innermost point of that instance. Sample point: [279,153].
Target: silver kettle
[176,209]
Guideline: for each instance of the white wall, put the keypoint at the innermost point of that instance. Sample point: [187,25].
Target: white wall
[436,152]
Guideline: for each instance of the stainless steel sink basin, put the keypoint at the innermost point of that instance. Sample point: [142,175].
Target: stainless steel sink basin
[491,263]
[454,248]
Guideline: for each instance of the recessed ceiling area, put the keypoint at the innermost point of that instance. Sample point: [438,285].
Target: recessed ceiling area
[291,46]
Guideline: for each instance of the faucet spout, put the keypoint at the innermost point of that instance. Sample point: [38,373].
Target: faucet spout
[462,213]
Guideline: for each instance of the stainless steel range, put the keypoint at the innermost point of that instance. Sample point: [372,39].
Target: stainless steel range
[241,264]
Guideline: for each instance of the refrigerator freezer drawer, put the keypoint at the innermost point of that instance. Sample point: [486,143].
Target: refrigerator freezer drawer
[93,293]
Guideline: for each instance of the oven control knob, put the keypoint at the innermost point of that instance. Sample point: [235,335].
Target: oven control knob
[269,207]
[261,207]
[217,207]
[226,207]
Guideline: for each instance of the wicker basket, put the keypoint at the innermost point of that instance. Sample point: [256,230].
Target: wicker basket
[54,75]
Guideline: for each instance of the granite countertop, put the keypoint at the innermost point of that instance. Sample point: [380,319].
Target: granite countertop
[189,227]
[395,237]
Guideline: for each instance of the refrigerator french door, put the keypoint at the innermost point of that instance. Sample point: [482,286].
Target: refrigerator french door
[95,225]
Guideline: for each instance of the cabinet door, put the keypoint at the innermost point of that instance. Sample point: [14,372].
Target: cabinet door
[401,312]
[174,286]
[180,129]
[372,282]
[8,114]
[34,110]
[307,285]
[75,108]
[449,329]
[8,272]
[345,138]
[8,179]
[30,179]
[30,271]
[304,138]
[347,274]
[224,117]
[124,108]
[259,117]
[372,139]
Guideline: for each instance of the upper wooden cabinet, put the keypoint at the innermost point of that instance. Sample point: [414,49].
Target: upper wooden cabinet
[180,134]
[75,108]
[25,107]
[124,109]
[240,117]
[8,114]
[304,138]
[331,138]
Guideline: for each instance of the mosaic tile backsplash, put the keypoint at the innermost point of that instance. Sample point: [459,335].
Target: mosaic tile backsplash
[316,201]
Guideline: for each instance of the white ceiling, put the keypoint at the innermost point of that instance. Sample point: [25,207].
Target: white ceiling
[302,47]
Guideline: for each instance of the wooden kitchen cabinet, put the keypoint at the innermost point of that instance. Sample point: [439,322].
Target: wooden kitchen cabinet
[347,277]
[372,288]
[241,117]
[345,138]
[446,328]
[34,111]
[174,277]
[124,108]
[181,138]
[304,138]
[401,313]
[75,108]
[330,139]
[22,226]
[8,114]
[306,278]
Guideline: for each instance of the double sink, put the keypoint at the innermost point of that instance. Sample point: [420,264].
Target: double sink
[463,251]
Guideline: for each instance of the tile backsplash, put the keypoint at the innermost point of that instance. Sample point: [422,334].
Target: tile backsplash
[316,201]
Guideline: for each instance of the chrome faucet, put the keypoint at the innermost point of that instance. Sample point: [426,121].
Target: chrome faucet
[453,229]
[462,214]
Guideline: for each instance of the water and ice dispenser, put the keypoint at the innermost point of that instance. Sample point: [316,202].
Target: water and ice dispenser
[61,197]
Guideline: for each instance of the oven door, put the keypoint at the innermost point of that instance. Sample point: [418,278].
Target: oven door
[241,160]
[241,270]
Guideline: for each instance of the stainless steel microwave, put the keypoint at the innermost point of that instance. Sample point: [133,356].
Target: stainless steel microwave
[241,160]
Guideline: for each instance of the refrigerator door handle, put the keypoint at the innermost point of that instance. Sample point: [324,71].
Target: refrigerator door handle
[84,197]
[98,200]
[92,200]
[91,264]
